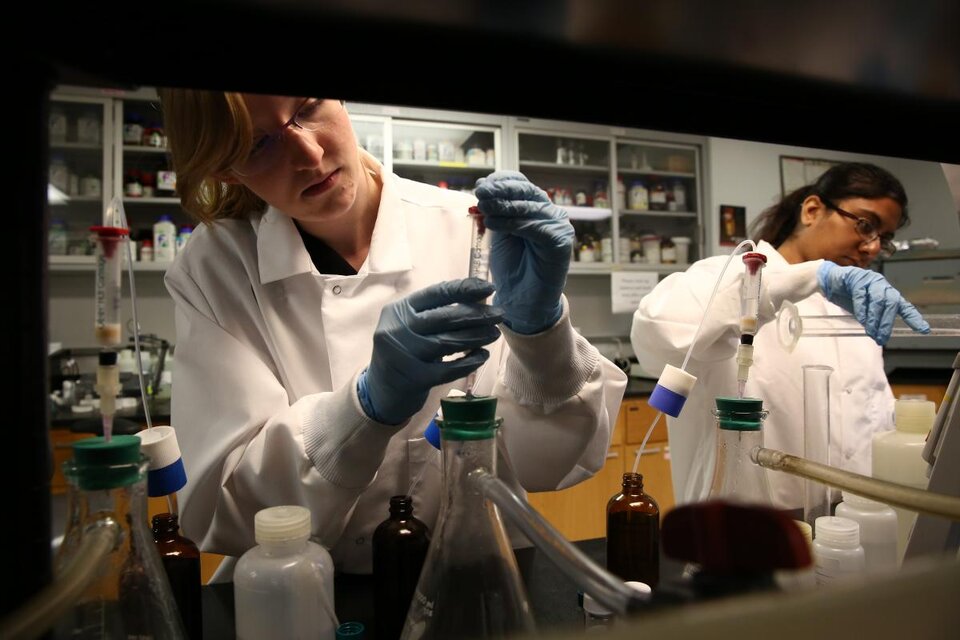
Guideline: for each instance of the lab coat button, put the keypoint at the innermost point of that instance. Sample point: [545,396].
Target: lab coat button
[337,290]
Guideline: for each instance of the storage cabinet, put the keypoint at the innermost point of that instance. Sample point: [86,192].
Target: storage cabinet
[579,512]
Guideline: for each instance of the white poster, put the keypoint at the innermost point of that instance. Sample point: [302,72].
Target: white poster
[628,287]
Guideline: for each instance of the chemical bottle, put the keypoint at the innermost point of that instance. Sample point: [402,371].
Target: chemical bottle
[400,546]
[181,561]
[633,533]
[878,530]
[470,586]
[283,587]
[897,456]
[164,240]
[837,554]
[129,597]
[739,429]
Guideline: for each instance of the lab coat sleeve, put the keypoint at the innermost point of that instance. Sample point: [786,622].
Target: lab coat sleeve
[246,447]
[667,318]
[559,401]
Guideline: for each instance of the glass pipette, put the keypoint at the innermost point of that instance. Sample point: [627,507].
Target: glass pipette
[791,326]
[479,266]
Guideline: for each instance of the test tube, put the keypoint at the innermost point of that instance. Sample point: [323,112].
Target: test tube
[109,259]
[479,266]
[750,292]
[791,326]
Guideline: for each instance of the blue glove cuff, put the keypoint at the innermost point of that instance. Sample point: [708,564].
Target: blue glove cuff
[823,277]
[528,328]
[363,394]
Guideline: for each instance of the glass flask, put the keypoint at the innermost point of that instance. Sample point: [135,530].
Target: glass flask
[181,561]
[400,546]
[633,533]
[470,586]
[130,596]
[740,428]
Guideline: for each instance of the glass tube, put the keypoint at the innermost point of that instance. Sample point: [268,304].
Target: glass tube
[816,437]
[791,326]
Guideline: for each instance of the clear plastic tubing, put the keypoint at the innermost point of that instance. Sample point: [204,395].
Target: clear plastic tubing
[816,438]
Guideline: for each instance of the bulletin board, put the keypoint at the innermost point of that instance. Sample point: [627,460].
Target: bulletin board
[796,172]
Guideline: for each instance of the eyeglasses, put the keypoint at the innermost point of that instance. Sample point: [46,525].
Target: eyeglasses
[267,150]
[866,230]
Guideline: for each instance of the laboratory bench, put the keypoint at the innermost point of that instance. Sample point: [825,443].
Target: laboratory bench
[552,595]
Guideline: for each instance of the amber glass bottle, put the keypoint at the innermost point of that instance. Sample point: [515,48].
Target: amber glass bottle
[633,533]
[400,546]
[181,560]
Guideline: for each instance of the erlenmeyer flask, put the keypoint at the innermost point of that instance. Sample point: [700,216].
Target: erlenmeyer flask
[130,597]
[739,429]
[470,586]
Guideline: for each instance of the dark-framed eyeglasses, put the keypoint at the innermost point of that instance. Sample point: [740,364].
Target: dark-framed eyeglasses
[266,149]
[867,231]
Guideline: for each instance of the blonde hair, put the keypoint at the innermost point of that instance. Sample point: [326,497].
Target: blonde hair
[208,132]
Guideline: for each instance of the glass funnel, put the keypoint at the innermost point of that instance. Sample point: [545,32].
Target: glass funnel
[130,596]
[470,586]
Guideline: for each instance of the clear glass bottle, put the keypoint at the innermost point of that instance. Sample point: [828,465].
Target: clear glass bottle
[470,586]
[283,587]
[130,596]
[400,546]
[633,533]
[181,562]
[739,429]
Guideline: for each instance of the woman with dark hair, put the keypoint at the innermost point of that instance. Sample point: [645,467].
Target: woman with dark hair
[818,241]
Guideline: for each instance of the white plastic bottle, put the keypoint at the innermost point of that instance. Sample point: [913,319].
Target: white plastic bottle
[837,554]
[897,456]
[164,240]
[878,530]
[283,587]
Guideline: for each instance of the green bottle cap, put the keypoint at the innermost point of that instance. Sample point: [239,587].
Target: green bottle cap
[740,414]
[469,418]
[350,631]
[98,464]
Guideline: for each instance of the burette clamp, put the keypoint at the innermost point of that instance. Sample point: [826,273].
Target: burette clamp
[672,390]
[789,326]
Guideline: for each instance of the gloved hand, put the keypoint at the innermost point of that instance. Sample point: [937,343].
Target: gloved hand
[870,298]
[529,251]
[412,337]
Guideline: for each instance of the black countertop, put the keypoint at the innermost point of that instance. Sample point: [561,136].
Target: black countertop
[553,597]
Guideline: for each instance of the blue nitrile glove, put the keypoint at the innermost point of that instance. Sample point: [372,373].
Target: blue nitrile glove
[413,336]
[529,250]
[870,298]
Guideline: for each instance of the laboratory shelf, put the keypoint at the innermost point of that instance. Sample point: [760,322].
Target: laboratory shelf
[575,168]
[153,200]
[132,148]
[588,213]
[606,268]
[659,214]
[654,172]
[443,166]
[75,146]
[72,199]
[65,264]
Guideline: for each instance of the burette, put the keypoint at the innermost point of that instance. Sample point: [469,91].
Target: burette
[674,385]
[479,266]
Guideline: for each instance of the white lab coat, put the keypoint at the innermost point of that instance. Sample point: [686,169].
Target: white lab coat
[664,324]
[268,353]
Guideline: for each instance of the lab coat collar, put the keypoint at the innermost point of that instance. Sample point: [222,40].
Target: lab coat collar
[773,256]
[280,250]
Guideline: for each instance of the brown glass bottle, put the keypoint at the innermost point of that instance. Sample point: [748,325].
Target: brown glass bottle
[400,546]
[181,560]
[633,533]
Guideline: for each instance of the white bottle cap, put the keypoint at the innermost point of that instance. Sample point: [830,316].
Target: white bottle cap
[282,524]
[640,587]
[914,416]
[840,532]
[160,445]
[860,501]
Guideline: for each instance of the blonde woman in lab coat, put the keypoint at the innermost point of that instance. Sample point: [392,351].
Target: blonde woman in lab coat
[314,310]
[818,241]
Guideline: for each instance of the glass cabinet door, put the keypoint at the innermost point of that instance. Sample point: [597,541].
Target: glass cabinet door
[146,178]
[78,174]
[452,156]
[575,173]
[657,192]
[371,134]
